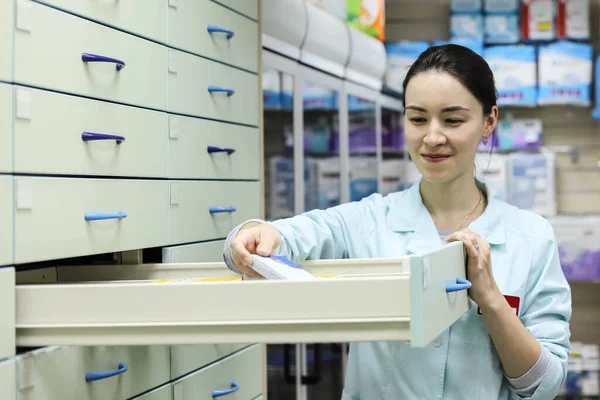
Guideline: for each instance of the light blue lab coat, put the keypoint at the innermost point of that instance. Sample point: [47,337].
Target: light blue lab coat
[462,363]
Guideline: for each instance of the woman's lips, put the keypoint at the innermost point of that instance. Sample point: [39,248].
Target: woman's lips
[435,158]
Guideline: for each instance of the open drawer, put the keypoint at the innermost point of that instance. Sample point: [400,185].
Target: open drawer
[413,298]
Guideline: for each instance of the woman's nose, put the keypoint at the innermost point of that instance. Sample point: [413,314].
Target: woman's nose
[434,136]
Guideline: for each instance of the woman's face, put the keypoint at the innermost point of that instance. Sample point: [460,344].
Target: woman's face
[444,123]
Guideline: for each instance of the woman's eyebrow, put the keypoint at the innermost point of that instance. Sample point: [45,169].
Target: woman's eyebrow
[416,108]
[455,108]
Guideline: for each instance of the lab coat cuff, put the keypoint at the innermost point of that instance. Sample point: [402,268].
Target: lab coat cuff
[227,252]
[549,384]
[526,384]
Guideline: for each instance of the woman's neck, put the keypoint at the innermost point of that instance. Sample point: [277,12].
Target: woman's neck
[450,203]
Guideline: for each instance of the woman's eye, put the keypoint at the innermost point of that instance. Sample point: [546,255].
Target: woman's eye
[417,120]
[453,121]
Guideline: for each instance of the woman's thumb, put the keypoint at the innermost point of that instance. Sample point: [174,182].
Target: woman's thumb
[265,247]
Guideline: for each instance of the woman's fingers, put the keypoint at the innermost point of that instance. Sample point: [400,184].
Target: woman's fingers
[469,240]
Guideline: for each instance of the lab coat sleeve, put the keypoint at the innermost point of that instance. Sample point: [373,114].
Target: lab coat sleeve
[334,233]
[547,313]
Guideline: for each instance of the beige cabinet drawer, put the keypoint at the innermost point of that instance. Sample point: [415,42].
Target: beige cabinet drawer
[204,88]
[241,374]
[124,15]
[196,252]
[187,358]
[6,126]
[56,217]
[203,149]
[206,28]
[246,7]
[7,314]
[91,373]
[6,220]
[8,380]
[209,210]
[162,393]
[7,18]
[61,40]
[80,134]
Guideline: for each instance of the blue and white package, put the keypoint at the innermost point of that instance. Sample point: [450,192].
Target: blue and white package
[596,110]
[466,26]
[501,6]
[531,182]
[400,56]
[271,89]
[514,69]
[565,73]
[280,268]
[502,28]
[465,6]
[473,44]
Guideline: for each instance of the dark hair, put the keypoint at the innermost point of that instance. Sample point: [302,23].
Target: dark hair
[465,65]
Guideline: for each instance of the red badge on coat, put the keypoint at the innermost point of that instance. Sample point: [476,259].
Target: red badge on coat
[513,301]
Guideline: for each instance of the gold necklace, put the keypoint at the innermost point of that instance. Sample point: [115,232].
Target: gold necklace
[465,220]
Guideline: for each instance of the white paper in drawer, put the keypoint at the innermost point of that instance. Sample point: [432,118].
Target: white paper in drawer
[276,267]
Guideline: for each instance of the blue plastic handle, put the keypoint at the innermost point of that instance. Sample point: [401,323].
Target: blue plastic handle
[212,89]
[234,388]
[461,284]
[88,136]
[96,376]
[218,29]
[92,216]
[214,210]
[214,149]
[88,57]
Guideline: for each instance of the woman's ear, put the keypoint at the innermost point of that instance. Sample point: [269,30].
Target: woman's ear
[490,121]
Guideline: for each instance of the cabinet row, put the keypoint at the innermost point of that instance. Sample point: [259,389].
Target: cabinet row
[45,218]
[43,132]
[140,372]
[51,49]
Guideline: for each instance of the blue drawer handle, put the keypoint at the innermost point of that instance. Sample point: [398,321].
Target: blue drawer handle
[214,29]
[88,57]
[92,216]
[234,388]
[212,89]
[214,149]
[461,284]
[214,210]
[96,376]
[88,136]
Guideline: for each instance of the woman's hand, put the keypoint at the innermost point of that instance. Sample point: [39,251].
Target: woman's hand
[253,238]
[484,289]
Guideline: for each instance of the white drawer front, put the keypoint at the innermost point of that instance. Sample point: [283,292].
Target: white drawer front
[52,123]
[61,39]
[191,202]
[6,39]
[190,79]
[6,220]
[162,393]
[206,28]
[246,7]
[243,368]
[202,149]
[187,358]
[124,15]
[50,223]
[197,252]
[8,380]
[7,313]
[62,372]
[6,126]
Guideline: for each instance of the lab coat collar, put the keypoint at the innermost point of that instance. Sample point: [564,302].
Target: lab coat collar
[409,214]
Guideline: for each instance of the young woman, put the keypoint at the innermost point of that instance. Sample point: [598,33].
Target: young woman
[499,349]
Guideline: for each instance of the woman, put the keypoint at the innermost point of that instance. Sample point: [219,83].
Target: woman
[513,343]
